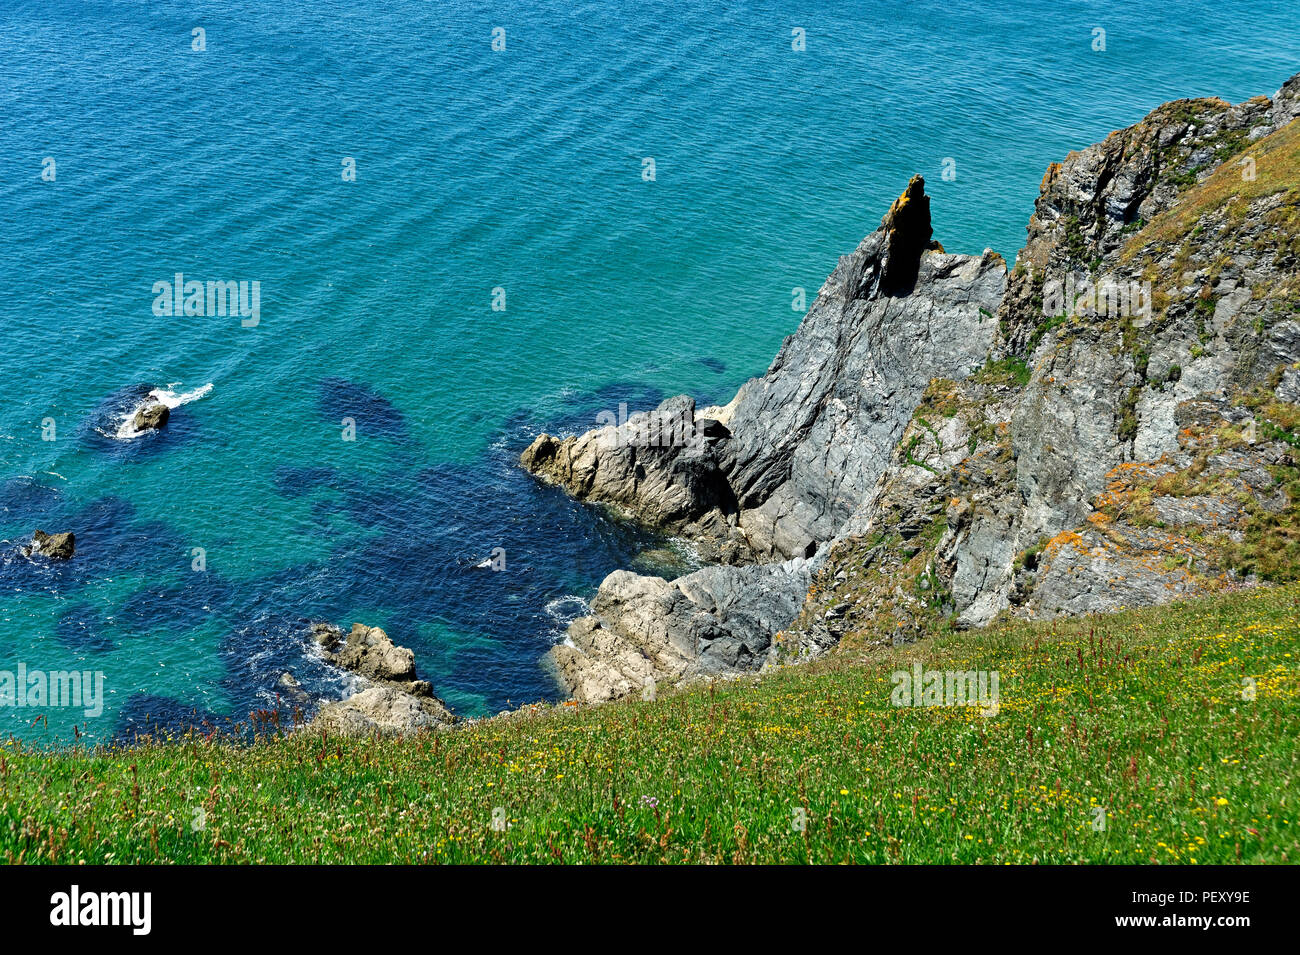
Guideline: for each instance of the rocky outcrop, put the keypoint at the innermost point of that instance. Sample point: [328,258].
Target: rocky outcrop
[1091,203]
[1112,424]
[367,652]
[291,690]
[1144,447]
[1185,228]
[151,416]
[775,473]
[53,546]
[658,466]
[646,630]
[382,710]
[392,702]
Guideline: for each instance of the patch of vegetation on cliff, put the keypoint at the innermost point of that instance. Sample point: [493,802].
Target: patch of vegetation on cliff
[1276,169]
[1074,247]
[1258,533]
[1178,160]
[1047,324]
[1268,545]
[941,399]
[1165,735]
[882,588]
[1011,371]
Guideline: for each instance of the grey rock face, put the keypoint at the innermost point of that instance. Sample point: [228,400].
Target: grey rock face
[1107,384]
[1288,389]
[647,630]
[1286,102]
[1089,575]
[1091,203]
[775,472]
[811,437]
[1065,431]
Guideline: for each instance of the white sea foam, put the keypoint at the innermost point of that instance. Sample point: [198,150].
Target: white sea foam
[564,610]
[688,550]
[174,400]
[568,608]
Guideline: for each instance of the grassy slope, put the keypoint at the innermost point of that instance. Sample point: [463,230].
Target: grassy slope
[1277,169]
[1140,713]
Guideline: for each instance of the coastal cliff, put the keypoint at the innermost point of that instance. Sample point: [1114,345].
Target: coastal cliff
[1112,423]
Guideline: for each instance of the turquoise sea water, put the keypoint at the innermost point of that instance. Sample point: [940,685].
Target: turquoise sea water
[476,169]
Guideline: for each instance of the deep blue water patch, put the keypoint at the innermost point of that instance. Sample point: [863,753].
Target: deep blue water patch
[26,502]
[190,599]
[294,481]
[428,532]
[372,413]
[80,629]
[109,541]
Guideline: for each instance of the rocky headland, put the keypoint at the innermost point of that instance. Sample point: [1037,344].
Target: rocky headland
[1112,422]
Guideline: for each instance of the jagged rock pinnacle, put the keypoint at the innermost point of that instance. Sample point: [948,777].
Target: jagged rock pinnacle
[907,234]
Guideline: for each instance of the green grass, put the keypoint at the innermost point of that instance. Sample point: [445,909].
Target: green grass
[1277,169]
[1011,371]
[1141,713]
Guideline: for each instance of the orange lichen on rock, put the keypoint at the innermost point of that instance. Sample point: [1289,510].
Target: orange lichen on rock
[1062,539]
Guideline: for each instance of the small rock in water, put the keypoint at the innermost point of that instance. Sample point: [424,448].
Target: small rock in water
[54,546]
[369,652]
[326,635]
[151,417]
[289,686]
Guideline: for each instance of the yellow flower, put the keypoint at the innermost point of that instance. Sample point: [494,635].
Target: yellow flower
[1220,801]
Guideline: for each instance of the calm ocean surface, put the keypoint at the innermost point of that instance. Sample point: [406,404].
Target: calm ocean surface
[475,170]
